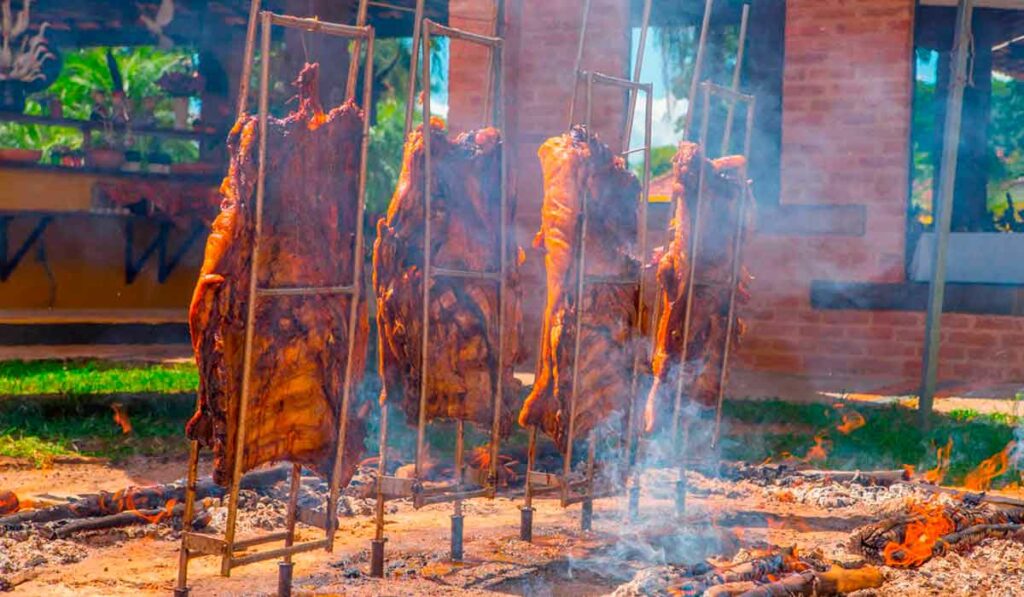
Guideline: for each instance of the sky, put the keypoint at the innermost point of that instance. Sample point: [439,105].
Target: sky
[662,129]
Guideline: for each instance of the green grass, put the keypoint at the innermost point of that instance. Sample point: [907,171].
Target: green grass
[889,439]
[94,377]
[40,431]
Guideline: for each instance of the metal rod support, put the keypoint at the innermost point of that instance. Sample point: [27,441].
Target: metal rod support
[526,524]
[461,34]
[250,318]
[698,67]
[250,49]
[410,104]
[944,212]
[737,71]
[645,21]
[578,64]
[318,26]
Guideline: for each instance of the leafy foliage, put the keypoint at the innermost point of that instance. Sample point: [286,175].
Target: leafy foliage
[85,71]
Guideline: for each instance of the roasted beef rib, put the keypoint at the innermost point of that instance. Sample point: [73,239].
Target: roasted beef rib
[300,343]
[574,164]
[724,189]
[462,375]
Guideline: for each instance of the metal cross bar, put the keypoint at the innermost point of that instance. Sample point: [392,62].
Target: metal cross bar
[312,291]
[427,29]
[229,559]
[390,6]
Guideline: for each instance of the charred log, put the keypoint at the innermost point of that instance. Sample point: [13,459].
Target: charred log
[835,581]
[200,519]
[151,497]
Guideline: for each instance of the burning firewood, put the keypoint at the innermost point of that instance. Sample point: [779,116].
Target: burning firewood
[148,498]
[835,581]
[173,510]
[9,502]
[932,528]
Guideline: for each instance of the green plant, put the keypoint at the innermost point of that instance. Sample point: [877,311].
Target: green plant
[86,71]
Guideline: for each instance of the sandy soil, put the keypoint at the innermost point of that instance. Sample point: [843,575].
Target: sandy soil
[723,517]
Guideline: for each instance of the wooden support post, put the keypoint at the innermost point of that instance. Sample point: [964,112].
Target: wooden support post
[944,208]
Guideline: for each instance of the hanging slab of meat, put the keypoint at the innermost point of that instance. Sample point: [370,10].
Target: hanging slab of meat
[722,195]
[462,375]
[300,343]
[574,164]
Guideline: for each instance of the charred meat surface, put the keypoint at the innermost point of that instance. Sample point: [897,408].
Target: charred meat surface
[462,376]
[723,191]
[573,165]
[300,343]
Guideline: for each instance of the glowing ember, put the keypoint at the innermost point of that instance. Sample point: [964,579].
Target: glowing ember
[980,479]
[852,420]
[942,453]
[121,418]
[922,533]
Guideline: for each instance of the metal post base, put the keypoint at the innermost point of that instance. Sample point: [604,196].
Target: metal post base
[183,592]
[377,558]
[681,497]
[587,515]
[526,524]
[456,538]
[634,503]
[284,578]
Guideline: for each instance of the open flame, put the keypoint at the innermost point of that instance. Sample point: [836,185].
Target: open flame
[942,453]
[852,421]
[922,533]
[121,418]
[980,479]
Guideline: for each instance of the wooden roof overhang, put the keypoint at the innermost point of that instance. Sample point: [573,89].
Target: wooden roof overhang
[118,22]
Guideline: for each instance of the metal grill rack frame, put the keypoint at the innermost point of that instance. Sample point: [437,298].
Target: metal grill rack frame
[550,482]
[196,545]
[389,487]
[680,439]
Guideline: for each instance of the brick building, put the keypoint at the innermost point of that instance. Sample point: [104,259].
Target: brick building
[833,296]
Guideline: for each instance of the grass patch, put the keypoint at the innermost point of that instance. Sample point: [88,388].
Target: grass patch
[18,378]
[889,438]
[41,431]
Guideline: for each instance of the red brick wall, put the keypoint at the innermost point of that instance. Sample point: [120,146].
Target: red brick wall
[541,41]
[846,117]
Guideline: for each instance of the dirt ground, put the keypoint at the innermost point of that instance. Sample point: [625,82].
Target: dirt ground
[723,518]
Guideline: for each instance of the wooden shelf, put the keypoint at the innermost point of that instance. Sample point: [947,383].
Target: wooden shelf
[213,179]
[89,125]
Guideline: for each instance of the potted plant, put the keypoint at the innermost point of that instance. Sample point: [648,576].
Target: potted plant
[105,152]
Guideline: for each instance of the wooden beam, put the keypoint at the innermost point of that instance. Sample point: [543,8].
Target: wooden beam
[944,200]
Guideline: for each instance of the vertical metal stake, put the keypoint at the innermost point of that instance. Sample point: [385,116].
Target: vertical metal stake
[377,544]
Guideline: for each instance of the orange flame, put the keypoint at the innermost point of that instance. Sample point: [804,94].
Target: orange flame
[121,418]
[919,537]
[942,453]
[480,457]
[819,451]
[852,420]
[980,479]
